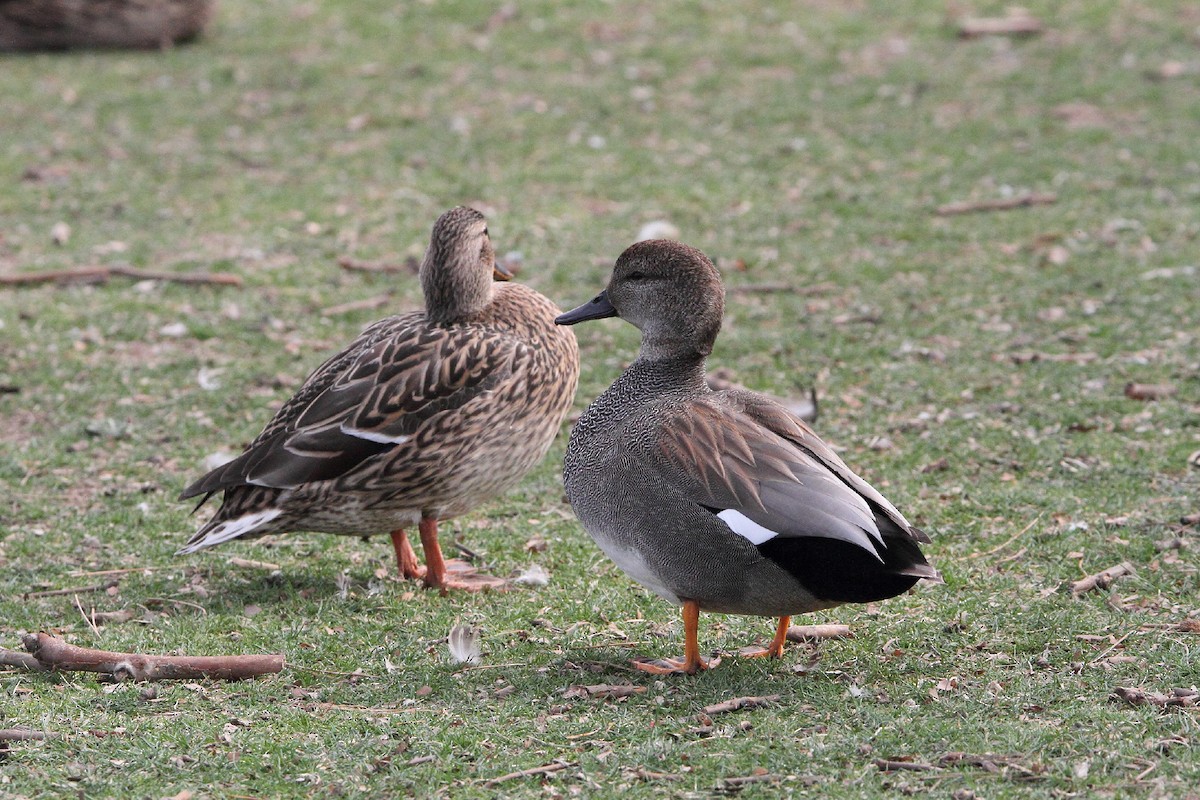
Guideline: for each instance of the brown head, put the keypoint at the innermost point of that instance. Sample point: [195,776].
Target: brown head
[671,292]
[459,266]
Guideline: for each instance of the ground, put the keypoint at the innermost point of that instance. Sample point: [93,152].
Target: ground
[972,366]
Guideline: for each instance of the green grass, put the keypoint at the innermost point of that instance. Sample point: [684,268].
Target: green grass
[804,143]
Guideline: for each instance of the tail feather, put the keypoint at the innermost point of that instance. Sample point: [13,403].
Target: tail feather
[220,530]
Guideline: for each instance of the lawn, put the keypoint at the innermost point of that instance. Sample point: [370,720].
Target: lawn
[974,367]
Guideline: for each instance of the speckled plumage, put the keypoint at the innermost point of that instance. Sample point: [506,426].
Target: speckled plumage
[720,501]
[422,417]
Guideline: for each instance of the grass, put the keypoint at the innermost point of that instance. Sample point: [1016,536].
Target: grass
[971,367]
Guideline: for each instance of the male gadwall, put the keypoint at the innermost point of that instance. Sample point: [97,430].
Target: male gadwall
[423,417]
[719,501]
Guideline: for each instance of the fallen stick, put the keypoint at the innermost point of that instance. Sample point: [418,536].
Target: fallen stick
[1148,391]
[354,265]
[249,563]
[99,587]
[740,703]
[1181,698]
[55,654]
[545,769]
[886,765]
[378,301]
[812,633]
[604,691]
[102,274]
[804,290]
[1003,204]
[1015,23]
[15,658]
[21,735]
[1101,580]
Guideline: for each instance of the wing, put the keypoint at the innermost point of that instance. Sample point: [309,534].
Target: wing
[768,476]
[367,400]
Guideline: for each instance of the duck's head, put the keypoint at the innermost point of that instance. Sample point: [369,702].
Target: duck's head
[671,292]
[459,266]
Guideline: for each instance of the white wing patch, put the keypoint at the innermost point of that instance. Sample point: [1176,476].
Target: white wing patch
[747,528]
[372,436]
[756,534]
[231,529]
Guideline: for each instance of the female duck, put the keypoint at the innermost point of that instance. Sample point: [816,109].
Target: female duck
[423,417]
[719,501]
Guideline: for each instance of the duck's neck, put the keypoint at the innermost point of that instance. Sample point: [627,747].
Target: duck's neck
[645,380]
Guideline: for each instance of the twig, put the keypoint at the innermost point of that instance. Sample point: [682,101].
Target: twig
[247,563]
[604,691]
[21,735]
[545,769]
[55,654]
[1112,647]
[354,265]
[734,784]
[1003,204]
[811,633]
[1181,698]
[740,703]
[100,587]
[1017,22]
[91,622]
[378,301]
[15,658]
[1009,540]
[780,286]
[1149,391]
[886,765]
[1101,580]
[102,274]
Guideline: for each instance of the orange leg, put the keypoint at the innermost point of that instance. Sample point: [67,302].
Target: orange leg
[443,575]
[435,565]
[691,663]
[775,650]
[406,557]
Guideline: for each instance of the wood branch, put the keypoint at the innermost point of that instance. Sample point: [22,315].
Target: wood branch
[248,563]
[773,287]
[99,587]
[1018,22]
[355,265]
[21,735]
[887,765]
[1002,204]
[545,769]
[740,704]
[25,661]
[604,691]
[1101,580]
[741,781]
[1177,698]
[366,304]
[102,274]
[1148,391]
[813,633]
[55,654]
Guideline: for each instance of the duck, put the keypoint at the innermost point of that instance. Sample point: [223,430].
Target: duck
[32,25]
[721,501]
[422,418]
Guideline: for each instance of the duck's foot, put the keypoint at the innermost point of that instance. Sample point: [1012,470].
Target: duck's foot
[460,576]
[406,558]
[674,666]
[775,649]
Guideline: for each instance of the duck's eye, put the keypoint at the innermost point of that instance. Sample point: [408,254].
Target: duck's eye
[636,276]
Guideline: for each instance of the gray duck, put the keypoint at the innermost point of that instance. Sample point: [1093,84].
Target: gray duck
[719,501]
[421,418]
